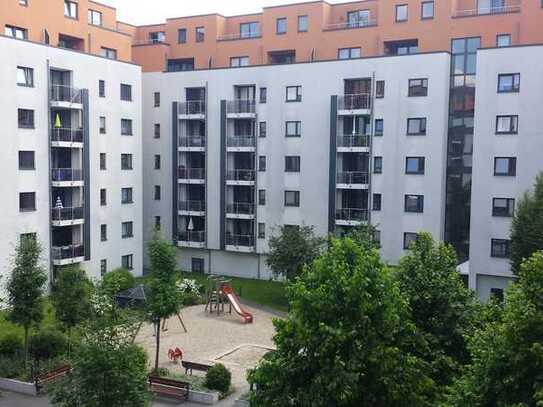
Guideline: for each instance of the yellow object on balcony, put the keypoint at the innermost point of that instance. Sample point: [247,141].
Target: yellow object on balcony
[58,125]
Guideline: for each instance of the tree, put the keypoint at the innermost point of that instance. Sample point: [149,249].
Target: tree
[365,236]
[25,287]
[527,226]
[292,249]
[442,308]
[164,298]
[346,341]
[118,280]
[507,353]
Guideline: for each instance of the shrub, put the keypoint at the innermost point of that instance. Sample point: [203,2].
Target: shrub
[11,344]
[11,367]
[48,344]
[192,292]
[218,378]
[118,280]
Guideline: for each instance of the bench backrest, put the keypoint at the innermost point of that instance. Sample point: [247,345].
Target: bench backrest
[44,377]
[194,365]
[168,382]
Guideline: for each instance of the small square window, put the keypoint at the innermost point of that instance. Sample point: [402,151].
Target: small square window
[27,202]
[408,239]
[261,230]
[414,203]
[303,24]
[293,129]
[505,166]
[401,13]
[95,18]
[292,163]
[294,93]
[126,196]
[418,87]
[427,10]
[503,40]
[416,126]
[508,83]
[109,53]
[126,92]
[26,160]
[503,207]
[127,262]
[236,62]
[506,124]
[499,248]
[262,197]
[25,76]
[126,127]
[281,25]
[25,118]
[377,202]
[349,53]
[157,99]
[197,265]
[126,162]
[379,127]
[377,165]
[414,165]
[263,95]
[292,198]
[127,230]
[380,89]
[262,129]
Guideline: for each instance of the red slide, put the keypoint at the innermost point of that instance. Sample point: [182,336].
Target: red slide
[227,290]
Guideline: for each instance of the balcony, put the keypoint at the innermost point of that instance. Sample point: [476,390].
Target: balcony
[64,255]
[67,177]
[350,25]
[241,144]
[354,105]
[352,180]
[489,7]
[192,143]
[65,97]
[192,208]
[65,137]
[240,243]
[195,239]
[239,36]
[240,177]
[351,216]
[240,210]
[191,175]
[241,109]
[67,216]
[353,144]
[192,110]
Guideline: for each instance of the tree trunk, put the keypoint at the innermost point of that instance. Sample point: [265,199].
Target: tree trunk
[157,344]
[26,348]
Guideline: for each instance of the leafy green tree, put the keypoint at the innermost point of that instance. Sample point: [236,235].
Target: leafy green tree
[365,236]
[118,280]
[442,308]
[25,287]
[527,226]
[346,341]
[507,353]
[293,248]
[164,298]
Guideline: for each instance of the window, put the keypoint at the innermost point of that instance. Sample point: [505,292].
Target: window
[25,76]
[292,163]
[262,163]
[158,222]
[427,10]
[263,95]
[126,162]
[377,165]
[102,161]
[262,197]
[103,267]
[249,30]
[126,127]
[414,165]
[261,230]
[182,36]
[26,160]
[379,127]
[380,89]
[281,57]
[358,18]
[23,2]
[303,24]
[349,53]
[95,17]
[292,198]
[509,82]
[126,92]
[157,161]
[109,53]
[408,239]
[200,34]
[503,207]
[27,201]
[197,265]
[294,93]
[16,32]
[102,88]
[503,40]
[497,294]
[414,203]
[262,129]
[401,13]
[157,130]
[70,9]
[103,197]
[102,125]
[127,262]
[236,62]
[127,230]
[416,126]
[506,124]
[26,118]
[157,37]
[418,87]
[505,166]
[281,25]
[499,248]
[103,233]
[377,236]
[156,98]
[293,129]
[126,196]
[377,202]
[402,47]
[179,65]
[157,193]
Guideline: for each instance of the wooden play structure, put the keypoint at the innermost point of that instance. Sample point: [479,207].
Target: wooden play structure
[219,293]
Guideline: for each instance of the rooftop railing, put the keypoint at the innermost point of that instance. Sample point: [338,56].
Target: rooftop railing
[346,25]
[511,7]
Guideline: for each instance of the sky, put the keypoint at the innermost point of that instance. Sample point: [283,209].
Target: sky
[141,12]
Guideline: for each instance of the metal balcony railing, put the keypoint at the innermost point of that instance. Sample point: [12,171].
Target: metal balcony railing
[352,214]
[67,252]
[240,240]
[510,7]
[241,208]
[193,206]
[241,141]
[191,173]
[192,107]
[354,102]
[67,135]
[239,36]
[363,23]
[240,175]
[353,141]
[352,177]
[192,141]
[63,93]
[240,106]
[197,236]
[66,174]
[67,214]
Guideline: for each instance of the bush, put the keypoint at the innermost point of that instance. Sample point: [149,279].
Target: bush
[192,292]
[12,367]
[218,378]
[118,280]
[48,344]
[11,344]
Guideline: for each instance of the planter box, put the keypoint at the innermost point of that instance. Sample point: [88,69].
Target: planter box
[17,386]
[241,403]
[201,397]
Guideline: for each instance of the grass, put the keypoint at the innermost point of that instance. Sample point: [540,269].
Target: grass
[49,321]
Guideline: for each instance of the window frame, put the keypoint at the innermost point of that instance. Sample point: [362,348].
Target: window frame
[156,99]
[32,161]
[128,128]
[499,255]
[157,193]
[103,197]
[31,114]
[350,51]
[296,161]
[68,9]
[263,95]
[108,53]
[262,129]
[126,92]
[103,161]
[380,89]
[127,163]
[261,197]
[377,198]
[398,7]
[279,20]
[239,60]
[157,162]
[90,17]
[129,263]
[14,31]
[253,32]
[498,36]
[298,125]
[509,207]
[129,191]
[377,169]
[513,124]
[102,129]
[261,230]
[514,89]
[27,73]
[419,208]
[298,91]
[101,88]
[382,131]
[103,232]
[261,163]
[200,33]
[296,202]
[512,165]
[422,129]
[413,235]
[127,230]
[182,39]
[422,4]
[421,169]
[302,17]
[417,90]
[24,196]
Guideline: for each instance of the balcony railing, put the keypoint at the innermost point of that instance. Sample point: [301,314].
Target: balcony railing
[67,214]
[63,93]
[192,107]
[370,22]
[192,206]
[68,252]
[241,208]
[352,214]
[241,141]
[192,141]
[353,141]
[240,106]
[239,36]
[66,174]
[191,173]
[197,236]
[352,177]
[240,175]
[354,101]
[66,135]
[513,7]
[240,240]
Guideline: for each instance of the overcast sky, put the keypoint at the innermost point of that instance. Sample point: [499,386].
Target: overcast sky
[156,11]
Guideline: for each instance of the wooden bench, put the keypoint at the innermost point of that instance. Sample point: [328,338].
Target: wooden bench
[190,366]
[169,388]
[43,379]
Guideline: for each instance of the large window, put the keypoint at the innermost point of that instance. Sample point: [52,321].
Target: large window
[126,162]
[505,166]
[292,198]
[499,248]
[401,13]
[414,165]
[126,92]
[25,76]
[27,201]
[509,82]
[249,30]
[358,18]
[503,207]
[414,203]
[292,163]
[294,93]
[239,61]
[281,25]
[25,118]
[26,160]
[303,24]
[418,87]
[70,9]
[127,230]
[127,262]
[95,17]
[416,126]
[126,196]
[16,32]
[126,127]
[506,124]
[293,129]
[349,53]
